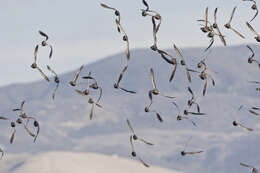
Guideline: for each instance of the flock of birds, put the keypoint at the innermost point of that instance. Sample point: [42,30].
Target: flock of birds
[212,29]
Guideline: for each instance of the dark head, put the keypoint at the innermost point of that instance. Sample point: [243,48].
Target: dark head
[144,13]
[210,34]
[90,100]
[135,137]
[86,92]
[125,38]
[254,7]
[146,109]
[44,43]
[257,38]
[182,62]
[179,118]
[199,65]
[215,25]
[117,13]
[34,65]
[189,102]
[228,26]
[133,154]
[36,124]
[72,83]
[235,123]
[56,79]
[185,112]
[12,124]
[23,115]
[116,85]
[19,121]
[203,29]
[203,76]
[154,48]
[155,91]
[94,86]
[183,153]
[157,17]
[250,60]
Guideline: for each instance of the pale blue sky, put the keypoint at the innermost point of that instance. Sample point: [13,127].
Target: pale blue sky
[81,31]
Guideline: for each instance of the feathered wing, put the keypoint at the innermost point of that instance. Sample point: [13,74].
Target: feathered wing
[42,74]
[44,35]
[251,29]
[91,111]
[186,67]
[238,33]
[122,74]
[205,87]
[152,78]
[130,126]
[77,74]
[145,164]
[232,15]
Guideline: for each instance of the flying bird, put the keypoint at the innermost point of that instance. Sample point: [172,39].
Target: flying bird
[120,29]
[228,25]
[134,135]
[236,124]
[205,28]
[34,64]
[251,58]
[257,37]
[56,80]
[159,117]
[12,124]
[254,170]
[253,7]
[133,153]
[93,103]
[94,85]
[204,75]
[116,85]
[171,60]
[183,63]
[180,117]
[184,152]
[44,42]
[215,25]
[156,22]
[192,100]
[155,90]
[20,121]
[13,133]
[73,82]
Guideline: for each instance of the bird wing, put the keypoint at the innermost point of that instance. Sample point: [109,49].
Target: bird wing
[251,28]
[130,126]
[232,14]
[152,78]
[77,73]
[43,75]
[121,74]
[186,67]
[44,35]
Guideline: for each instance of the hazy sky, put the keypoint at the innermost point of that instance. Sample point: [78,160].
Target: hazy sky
[81,31]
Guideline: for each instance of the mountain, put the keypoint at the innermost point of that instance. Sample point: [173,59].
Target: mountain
[65,124]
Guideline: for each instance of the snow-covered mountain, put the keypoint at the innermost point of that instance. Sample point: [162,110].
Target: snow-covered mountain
[65,123]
